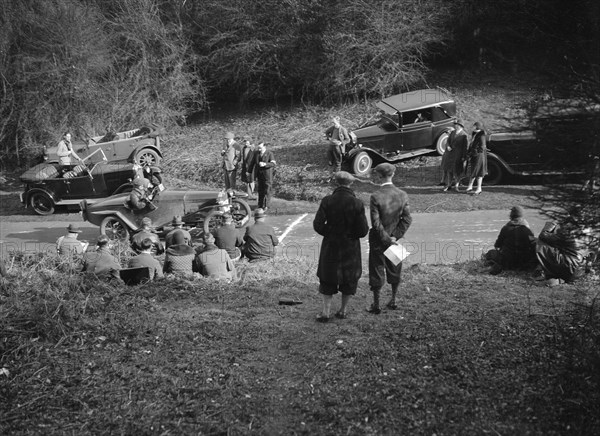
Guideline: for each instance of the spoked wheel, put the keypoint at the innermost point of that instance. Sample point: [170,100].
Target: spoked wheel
[114,228]
[147,157]
[213,221]
[41,203]
[241,212]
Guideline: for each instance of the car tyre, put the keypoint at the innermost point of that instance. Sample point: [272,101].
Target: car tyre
[495,173]
[213,221]
[41,203]
[148,157]
[441,143]
[114,228]
[362,163]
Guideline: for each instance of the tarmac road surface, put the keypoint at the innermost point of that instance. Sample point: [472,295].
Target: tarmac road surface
[433,238]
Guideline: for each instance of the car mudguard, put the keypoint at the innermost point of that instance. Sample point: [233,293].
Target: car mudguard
[27,194]
[141,147]
[502,162]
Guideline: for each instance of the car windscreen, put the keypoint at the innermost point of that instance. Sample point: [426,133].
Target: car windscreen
[387,124]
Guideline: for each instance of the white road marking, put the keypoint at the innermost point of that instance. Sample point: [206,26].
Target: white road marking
[291,226]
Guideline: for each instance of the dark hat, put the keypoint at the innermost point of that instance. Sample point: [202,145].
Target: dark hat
[459,121]
[344,178]
[177,221]
[385,169]
[516,212]
[259,213]
[146,221]
[178,237]
[229,135]
[102,240]
[478,125]
[73,229]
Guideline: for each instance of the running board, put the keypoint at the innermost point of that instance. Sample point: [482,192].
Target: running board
[395,157]
[548,173]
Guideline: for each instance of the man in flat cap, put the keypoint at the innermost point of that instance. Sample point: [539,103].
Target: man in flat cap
[341,220]
[231,157]
[101,262]
[390,219]
[260,239]
[146,232]
[263,163]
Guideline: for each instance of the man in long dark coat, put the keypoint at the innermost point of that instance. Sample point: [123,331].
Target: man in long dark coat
[263,163]
[341,220]
[453,162]
[390,219]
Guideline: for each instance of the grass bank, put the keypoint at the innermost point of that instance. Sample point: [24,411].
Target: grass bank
[466,354]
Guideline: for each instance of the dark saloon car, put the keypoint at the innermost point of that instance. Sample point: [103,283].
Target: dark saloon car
[410,124]
[51,185]
[561,142]
[199,210]
[140,146]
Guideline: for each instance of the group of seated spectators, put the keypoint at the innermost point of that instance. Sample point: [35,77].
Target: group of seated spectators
[559,254]
[213,257]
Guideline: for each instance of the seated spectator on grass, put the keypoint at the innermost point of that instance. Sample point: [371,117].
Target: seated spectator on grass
[146,259]
[515,246]
[101,262]
[146,232]
[179,259]
[228,238]
[260,240]
[562,253]
[177,223]
[214,262]
[69,245]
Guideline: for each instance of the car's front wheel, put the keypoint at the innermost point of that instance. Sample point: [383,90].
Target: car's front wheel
[362,163]
[495,173]
[441,143]
[41,203]
[147,157]
[114,228]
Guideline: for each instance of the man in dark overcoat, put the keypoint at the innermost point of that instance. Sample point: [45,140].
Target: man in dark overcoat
[263,163]
[341,220]
[390,219]
[453,162]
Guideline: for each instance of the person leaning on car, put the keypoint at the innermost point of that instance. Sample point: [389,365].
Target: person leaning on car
[65,150]
[138,198]
[338,137]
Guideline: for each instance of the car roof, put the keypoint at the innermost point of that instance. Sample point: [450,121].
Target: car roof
[413,100]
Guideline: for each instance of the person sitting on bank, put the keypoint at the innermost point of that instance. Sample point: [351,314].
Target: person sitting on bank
[214,262]
[260,240]
[228,238]
[177,224]
[515,246]
[101,262]
[146,232]
[179,259]
[562,253]
[69,245]
[146,259]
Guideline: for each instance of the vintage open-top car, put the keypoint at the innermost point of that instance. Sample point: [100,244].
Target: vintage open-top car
[410,124]
[50,185]
[140,145]
[198,209]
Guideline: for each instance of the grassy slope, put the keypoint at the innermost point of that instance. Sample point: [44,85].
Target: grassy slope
[499,356]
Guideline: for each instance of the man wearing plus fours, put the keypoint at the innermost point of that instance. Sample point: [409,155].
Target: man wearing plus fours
[390,219]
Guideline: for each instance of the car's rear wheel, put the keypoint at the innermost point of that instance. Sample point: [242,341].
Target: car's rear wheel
[147,156]
[441,143]
[41,203]
[114,228]
[241,212]
[213,221]
[495,173]
[362,163]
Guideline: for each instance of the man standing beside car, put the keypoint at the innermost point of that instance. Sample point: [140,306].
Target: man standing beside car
[338,137]
[230,156]
[263,163]
[455,156]
[65,150]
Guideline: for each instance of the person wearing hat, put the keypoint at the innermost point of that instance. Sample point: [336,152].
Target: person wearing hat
[477,156]
[146,232]
[69,245]
[179,257]
[514,248]
[177,224]
[214,262]
[228,238]
[260,239]
[338,137]
[341,220]
[454,159]
[263,163]
[138,197]
[101,262]
[231,157]
[390,219]
[65,151]
[146,260]
[249,178]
